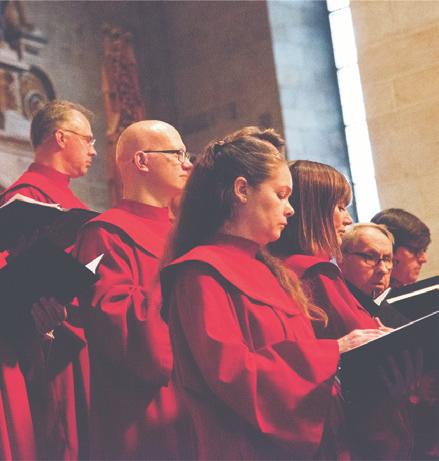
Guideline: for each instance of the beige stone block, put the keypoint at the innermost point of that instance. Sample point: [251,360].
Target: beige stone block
[414,160]
[429,191]
[379,97]
[417,86]
[410,126]
[399,192]
[373,21]
[399,54]
[410,14]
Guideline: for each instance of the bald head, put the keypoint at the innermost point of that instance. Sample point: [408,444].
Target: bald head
[146,135]
[150,156]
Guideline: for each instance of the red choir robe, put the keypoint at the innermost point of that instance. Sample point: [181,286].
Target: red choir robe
[326,287]
[256,381]
[57,383]
[381,431]
[135,413]
[16,430]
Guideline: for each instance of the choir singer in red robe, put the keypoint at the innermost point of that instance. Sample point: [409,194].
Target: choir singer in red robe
[135,412]
[43,409]
[309,245]
[257,382]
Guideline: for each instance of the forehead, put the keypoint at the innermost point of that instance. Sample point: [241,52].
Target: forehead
[281,176]
[164,139]
[77,120]
[373,240]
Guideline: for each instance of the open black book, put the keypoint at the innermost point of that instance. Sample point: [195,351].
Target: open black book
[23,219]
[416,300]
[360,368]
[43,270]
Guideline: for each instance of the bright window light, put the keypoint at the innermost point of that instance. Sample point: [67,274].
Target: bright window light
[354,113]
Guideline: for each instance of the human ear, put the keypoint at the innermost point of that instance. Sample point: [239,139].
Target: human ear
[240,189]
[141,160]
[60,138]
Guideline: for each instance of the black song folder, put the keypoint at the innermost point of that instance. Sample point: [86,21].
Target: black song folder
[416,300]
[360,374]
[23,219]
[43,270]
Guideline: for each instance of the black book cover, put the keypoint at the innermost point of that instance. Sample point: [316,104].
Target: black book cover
[43,270]
[416,300]
[24,220]
[360,373]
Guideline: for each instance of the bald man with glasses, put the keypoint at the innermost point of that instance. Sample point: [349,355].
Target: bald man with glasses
[135,413]
[43,395]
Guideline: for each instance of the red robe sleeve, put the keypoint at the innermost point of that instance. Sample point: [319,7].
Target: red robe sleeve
[122,315]
[282,388]
[16,430]
[382,430]
[328,290]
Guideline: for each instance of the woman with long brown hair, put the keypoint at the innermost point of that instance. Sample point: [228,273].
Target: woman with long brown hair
[309,246]
[311,242]
[256,381]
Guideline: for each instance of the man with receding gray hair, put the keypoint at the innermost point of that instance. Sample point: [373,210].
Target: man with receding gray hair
[63,144]
[366,265]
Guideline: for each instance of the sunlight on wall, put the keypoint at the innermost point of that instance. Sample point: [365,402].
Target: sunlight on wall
[354,114]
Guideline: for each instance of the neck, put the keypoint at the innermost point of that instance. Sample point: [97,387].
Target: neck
[147,197]
[396,283]
[51,161]
[236,230]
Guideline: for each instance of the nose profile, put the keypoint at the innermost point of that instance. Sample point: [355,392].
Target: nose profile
[422,257]
[187,164]
[348,219]
[289,211]
[92,151]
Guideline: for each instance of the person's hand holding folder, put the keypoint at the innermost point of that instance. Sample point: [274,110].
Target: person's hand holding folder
[357,338]
[47,314]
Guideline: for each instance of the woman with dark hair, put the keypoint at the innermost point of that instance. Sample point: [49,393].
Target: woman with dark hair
[255,379]
[309,246]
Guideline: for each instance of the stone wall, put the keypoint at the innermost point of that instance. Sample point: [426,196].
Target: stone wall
[307,82]
[221,68]
[73,60]
[398,48]
[206,67]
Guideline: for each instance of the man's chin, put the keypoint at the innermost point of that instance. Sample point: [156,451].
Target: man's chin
[376,290]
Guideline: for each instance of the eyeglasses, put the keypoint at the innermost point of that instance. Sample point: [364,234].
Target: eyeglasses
[373,260]
[89,139]
[417,252]
[182,155]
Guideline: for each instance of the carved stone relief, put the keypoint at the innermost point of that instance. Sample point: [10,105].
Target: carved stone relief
[121,90]
[24,87]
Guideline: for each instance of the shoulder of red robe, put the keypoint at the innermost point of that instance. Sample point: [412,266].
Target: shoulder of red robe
[303,264]
[247,274]
[48,189]
[145,233]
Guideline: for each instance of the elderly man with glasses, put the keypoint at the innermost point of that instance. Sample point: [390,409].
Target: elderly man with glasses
[367,262]
[135,411]
[43,396]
